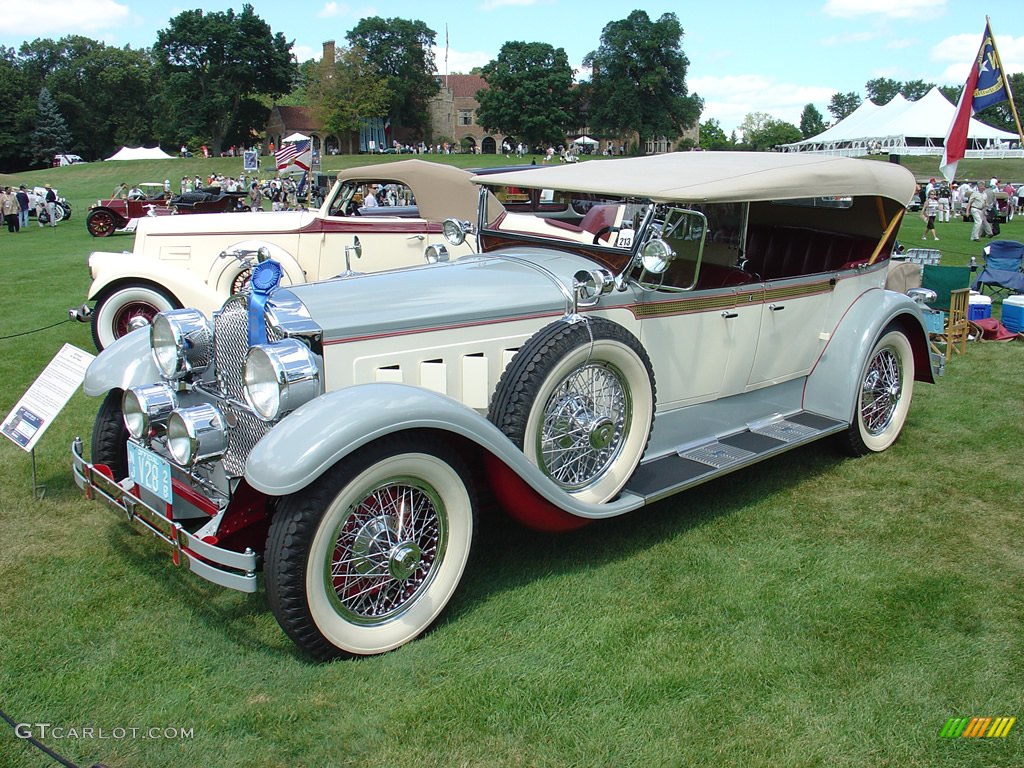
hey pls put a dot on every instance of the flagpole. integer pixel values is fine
(1006, 83)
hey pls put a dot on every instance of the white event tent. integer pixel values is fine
(140, 153)
(901, 127)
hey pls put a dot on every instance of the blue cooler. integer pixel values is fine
(979, 307)
(1013, 313)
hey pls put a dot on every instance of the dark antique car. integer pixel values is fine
(121, 215)
(680, 317)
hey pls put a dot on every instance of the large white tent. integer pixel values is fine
(900, 127)
(140, 153)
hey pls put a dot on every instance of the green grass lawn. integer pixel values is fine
(812, 611)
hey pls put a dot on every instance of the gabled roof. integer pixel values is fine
(298, 118)
(463, 86)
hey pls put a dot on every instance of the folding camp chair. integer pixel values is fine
(944, 280)
(949, 327)
(1003, 273)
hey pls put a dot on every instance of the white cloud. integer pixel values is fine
(305, 53)
(730, 99)
(892, 9)
(460, 61)
(332, 10)
(62, 17)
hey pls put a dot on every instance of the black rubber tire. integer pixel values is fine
(115, 307)
(110, 436)
(886, 384)
(310, 523)
(552, 355)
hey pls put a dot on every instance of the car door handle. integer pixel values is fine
(414, 237)
(729, 315)
(776, 307)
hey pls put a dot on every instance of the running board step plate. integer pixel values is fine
(698, 463)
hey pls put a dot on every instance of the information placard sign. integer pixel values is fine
(47, 396)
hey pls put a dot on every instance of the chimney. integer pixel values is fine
(328, 52)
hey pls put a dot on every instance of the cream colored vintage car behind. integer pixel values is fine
(179, 261)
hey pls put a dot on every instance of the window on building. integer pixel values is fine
(465, 117)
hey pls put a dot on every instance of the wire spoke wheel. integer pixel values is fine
(883, 398)
(579, 398)
(366, 558)
(386, 550)
(583, 425)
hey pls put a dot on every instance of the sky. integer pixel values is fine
(745, 56)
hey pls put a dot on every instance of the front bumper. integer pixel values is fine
(234, 570)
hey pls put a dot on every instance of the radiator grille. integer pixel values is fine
(231, 344)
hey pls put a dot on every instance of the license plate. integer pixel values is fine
(150, 471)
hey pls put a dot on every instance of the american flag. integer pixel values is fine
(295, 152)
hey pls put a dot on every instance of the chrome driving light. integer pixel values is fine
(656, 256)
(196, 434)
(147, 408)
(280, 377)
(181, 342)
(455, 231)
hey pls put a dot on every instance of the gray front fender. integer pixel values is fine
(123, 364)
(324, 431)
(833, 386)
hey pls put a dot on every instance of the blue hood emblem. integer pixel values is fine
(266, 276)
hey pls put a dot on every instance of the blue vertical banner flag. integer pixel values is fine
(986, 85)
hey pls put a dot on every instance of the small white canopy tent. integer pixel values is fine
(295, 137)
(584, 140)
(140, 153)
(898, 127)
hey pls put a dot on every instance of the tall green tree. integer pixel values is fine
(913, 90)
(215, 68)
(18, 114)
(104, 93)
(842, 105)
(344, 91)
(528, 94)
(811, 122)
(639, 79)
(402, 51)
(770, 134)
(882, 90)
(51, 135)
(712, 136)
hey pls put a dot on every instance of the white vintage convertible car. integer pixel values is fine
(199, 261)
(700, 313)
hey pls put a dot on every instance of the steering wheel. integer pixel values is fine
(599, 233)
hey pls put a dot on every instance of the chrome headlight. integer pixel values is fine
(196, 434)
(280, 377)
(181, 342)
(147, 407)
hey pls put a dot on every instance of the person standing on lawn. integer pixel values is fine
(977, 205)
(23, 205)
(9, 207)
(929, 211)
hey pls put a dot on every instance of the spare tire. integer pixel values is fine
(578, 399)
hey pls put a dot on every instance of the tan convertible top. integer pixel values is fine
(440, 190)
(701, 177)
